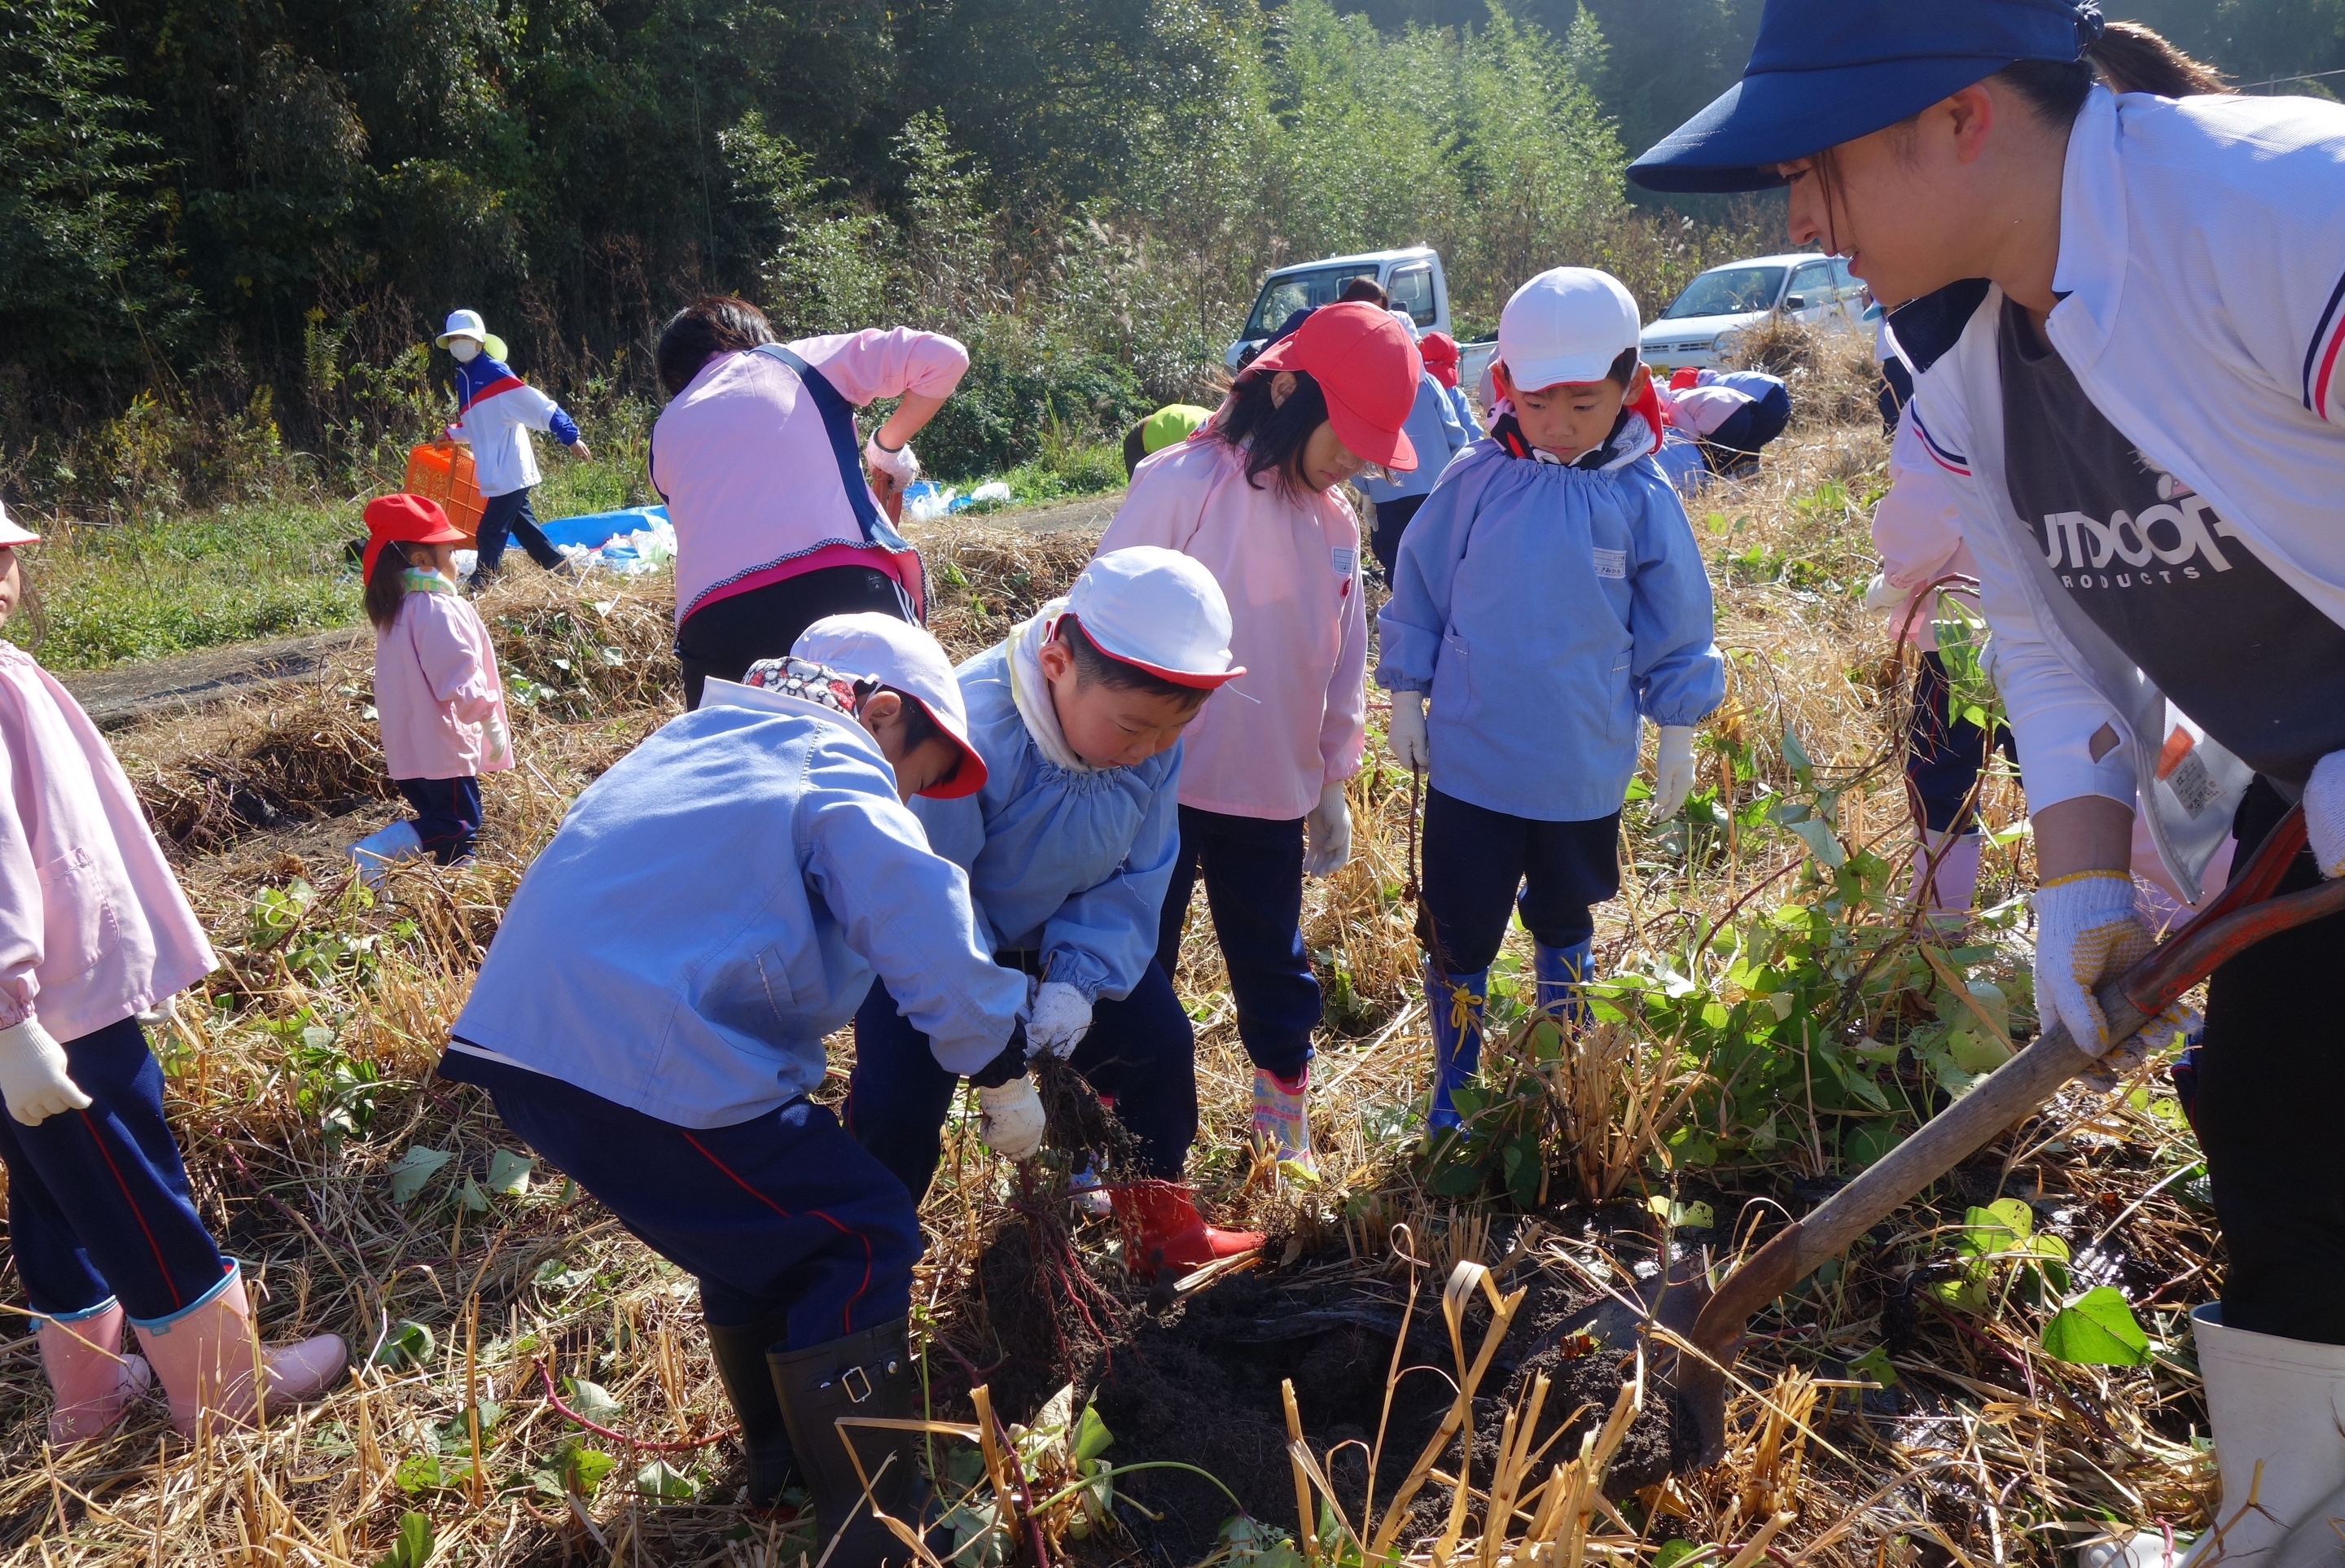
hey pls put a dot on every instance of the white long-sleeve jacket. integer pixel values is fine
(2201, 279)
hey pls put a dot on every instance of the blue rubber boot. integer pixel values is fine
(1560, 972)
(1457, 1043)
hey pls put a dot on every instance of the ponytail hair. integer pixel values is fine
(2128, 56)
(386, 586)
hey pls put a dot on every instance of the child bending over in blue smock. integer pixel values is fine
(652, 1013)
(1547, 593)
(1069, 848)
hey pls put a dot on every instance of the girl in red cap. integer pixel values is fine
(436, 688)
(1255, 495)
(93, 932)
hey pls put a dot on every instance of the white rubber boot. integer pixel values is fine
(378, 851)
(2278, 1409)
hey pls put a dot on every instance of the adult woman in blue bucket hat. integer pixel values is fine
(2123, 291)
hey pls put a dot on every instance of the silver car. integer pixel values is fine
(1699, 327)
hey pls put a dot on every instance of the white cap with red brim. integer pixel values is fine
(1156, 610)
(11, 533)
(904, 658)
(1565, 325)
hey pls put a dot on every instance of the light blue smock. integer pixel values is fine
(1072, 865)
(1463, 406)
(716, 904)
(1544, 608)
(1434, 430)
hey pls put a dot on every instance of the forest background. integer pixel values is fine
(227, 229)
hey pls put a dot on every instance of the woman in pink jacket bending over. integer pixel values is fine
(94, 931)
(783, 514)
(1255, 495)
(436, 689)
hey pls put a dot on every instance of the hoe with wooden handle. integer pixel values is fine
(2244, 915)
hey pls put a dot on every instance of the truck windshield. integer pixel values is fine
(1286, 294)
(1729, 292)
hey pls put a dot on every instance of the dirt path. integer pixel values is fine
(127, 693)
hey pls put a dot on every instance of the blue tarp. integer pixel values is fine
(593, 530)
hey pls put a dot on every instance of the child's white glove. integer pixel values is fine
(1012, 1120)
(2324, 813)
(1059, 1020)
(1405, 736)
(1882, 597)
(1673, 771)
(1329, 826)
(496, 742)
(899, 465)
(33, 1076)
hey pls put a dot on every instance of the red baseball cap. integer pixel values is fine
(1439, 350)
(1367, 369)
(409, 518)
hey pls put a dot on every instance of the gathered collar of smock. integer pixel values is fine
(1031, 690)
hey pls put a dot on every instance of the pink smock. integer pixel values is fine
(435, 688)
(92, 926)
(1289, 566)
(746, 463)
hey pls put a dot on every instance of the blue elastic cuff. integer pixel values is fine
(87, 1312)
(159, 1325)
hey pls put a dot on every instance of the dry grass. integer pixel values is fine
(331, 1009)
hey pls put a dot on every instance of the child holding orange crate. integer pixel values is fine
(496, 409)
(436, 687)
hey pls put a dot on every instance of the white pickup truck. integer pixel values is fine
(1412, 280)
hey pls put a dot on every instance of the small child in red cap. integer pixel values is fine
(436, 688)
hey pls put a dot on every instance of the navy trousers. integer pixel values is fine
(1754, 424)
(447, 814)
(511, 515)
(98, 1206)
(783, 1213)
(1141, 1052)
(1480, 865)
(1254, 886)
(1943, 760)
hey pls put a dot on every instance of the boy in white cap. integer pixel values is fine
(651, 1019)
(1548, 594)
(495, 411)
(1069, 847)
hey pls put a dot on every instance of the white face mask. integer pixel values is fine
(465, 349)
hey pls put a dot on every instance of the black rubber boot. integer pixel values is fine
(867, 1374)
(739, 1353)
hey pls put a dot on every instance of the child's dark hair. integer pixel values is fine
(1279, 430)
(1365, 292)
(712, 325)
(2128, 56)
(1623, 370)
(386, 590)
(1094, 668)
(920, 725)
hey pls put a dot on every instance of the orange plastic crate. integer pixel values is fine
(443, 471)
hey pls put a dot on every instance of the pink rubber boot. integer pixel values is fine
(94, 1382)
(1950, 892)
(207, 1355)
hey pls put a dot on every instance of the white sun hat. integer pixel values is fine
(1158, 610)
(464, 324)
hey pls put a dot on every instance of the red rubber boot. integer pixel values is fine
(1163, 1229)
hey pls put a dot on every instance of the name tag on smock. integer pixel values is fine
(1611, 563)
(1346, 562)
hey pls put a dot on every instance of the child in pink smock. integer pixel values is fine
(1254, 494)
(94, 931)
(436, 691)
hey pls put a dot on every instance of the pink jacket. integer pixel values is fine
(1918, 534)
(1297, 719)
(92, 926)
(752, 482)
(435, 689)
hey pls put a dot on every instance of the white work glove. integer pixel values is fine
(1012, 1122)
(1673, 771)
(2089, 931)
(33, 1078)
(2324, 813)
(1329, 827)
(1884, 597)
(1058, 1021)
(1405, 737)
(899, 465)
(496, 742)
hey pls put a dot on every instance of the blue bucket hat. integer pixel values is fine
(1825, 72)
